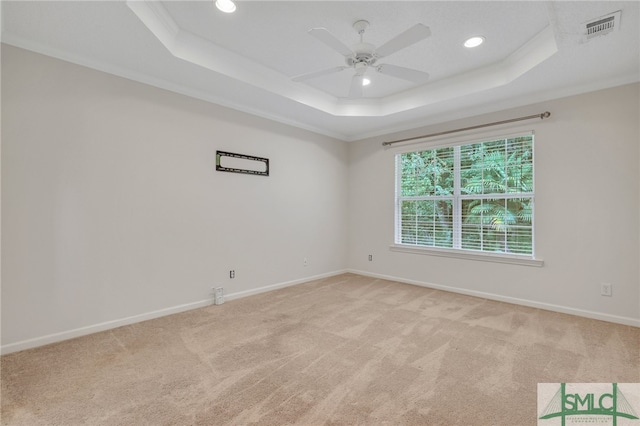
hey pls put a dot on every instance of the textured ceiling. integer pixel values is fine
(533, 51)
(283, 45)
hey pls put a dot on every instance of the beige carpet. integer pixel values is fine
(343, 350)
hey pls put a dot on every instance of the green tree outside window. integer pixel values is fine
(471, 197)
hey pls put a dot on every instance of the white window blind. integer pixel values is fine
(476, 197)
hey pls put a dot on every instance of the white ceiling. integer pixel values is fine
(534, 51)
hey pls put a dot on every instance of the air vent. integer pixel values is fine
(601, 26)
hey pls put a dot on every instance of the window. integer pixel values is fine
(476, 197)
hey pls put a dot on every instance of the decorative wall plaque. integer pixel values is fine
(240, 163)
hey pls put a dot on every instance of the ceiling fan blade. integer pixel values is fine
(330, 40)
(315, 74)
(356, 86)
(403, 73)
(412, 35)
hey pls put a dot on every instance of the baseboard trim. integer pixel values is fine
(523, 302)
(109, 325)
(252, 292)
(95, 328)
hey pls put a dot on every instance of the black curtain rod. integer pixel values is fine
(542, 116)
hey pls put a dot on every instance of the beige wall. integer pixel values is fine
(112, 211)
(586, 205)
(112, 208)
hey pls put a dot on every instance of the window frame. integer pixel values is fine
(457, 199)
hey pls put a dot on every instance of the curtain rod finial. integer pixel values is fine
(545, 114)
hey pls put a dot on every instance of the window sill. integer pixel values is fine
(469, 255)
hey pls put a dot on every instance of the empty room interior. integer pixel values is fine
(319, 212)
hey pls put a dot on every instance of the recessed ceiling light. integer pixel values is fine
(366, 81)
(474, 42)
(227, 6)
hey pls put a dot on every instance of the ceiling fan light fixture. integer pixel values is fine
(363, 56)
(226, 6)
(474, 42)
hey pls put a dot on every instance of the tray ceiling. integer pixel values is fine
(246, 60)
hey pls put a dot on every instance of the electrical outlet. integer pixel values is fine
(370, 257)
(305, 262)
(232, 273)
(606, 289)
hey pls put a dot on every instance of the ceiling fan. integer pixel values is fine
(365, 55)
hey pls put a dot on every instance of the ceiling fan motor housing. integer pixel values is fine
(363, 53)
